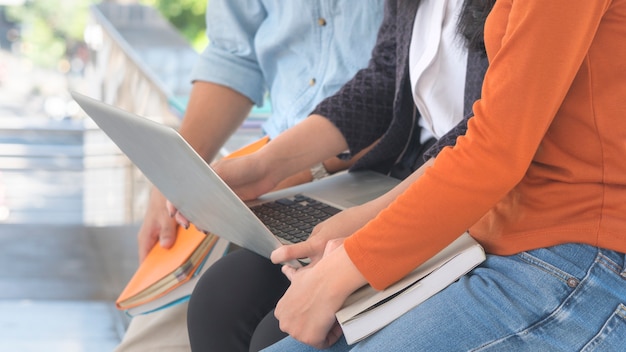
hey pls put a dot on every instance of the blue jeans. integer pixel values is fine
(569, 297)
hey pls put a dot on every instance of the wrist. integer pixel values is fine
(270, 164)
(344, 276)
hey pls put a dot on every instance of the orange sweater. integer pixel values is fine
(544, 159)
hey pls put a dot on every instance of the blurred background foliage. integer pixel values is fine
(187, 16)
(50, 30)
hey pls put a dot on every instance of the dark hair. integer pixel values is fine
(472, 22)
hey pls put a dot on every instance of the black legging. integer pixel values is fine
(230, 301)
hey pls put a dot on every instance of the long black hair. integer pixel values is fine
(472, 22)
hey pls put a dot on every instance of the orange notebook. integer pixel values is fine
(249, 149)
(164, 270)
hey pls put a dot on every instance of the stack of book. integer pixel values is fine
(168, 276)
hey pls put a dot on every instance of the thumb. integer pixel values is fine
(290, 252)
(167, 233)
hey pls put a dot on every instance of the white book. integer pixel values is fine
(182, 292)
(368, 310)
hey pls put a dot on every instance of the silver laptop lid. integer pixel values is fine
(183, 177)
(189, 183)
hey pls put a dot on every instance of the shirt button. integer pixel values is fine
(312, 82)
(321, 21)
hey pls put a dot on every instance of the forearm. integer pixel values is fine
(213, 114)
(310, 142)
(383, 201)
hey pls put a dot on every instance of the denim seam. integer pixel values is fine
(594, 343)
(532, 260)
(548, 268)
(609, 263)
(621, 311)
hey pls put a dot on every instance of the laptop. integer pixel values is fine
(191, 185)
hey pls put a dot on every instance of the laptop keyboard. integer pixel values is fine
(293, 218)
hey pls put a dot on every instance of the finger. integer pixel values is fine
(289, 271)
(333, 335)
(171, 209)
(145, 241)
(181, 220)
(167, 235)
(291, 252)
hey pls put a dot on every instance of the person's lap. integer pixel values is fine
(542, 300)
(231, 299)
(163, 331)
(266, 333)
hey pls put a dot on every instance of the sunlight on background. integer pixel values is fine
(47, 48)
(67, 222)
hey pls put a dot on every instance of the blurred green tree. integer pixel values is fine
(187, 16)
(49, 29)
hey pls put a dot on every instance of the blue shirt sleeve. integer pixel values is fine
(230, 58)
(293, 53)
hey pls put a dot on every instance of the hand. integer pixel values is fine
(244, 175)
(176, 216)
(307, 310)
(339, 226)
(247, 176)
(157, 226)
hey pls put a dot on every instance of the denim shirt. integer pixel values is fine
(297, 52)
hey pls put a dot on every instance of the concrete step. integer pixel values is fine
(59, 284)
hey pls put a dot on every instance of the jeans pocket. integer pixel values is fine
(611, 336)
(567, 278)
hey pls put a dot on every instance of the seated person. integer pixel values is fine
(538, 179)
(240, 290)
(259, 54)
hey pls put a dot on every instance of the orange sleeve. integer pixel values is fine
(535, 49)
